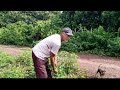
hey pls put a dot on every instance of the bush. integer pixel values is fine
(24, 59)
(68, 66)
(17, 67)
(23, 34)
(97, 42)
(113, 47)
(69, 47)
(45, 28)
(19, 33)
(13, 72)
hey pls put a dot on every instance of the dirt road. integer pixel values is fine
(12, 50)
(91, 62)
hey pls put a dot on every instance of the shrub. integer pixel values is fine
(13, 72)
(19, 33)
(16, 67)
(113, 47)
(68, 66)
(97, 42)
(45, 28)
(5, 59)
(25, 59)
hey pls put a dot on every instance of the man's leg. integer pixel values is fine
(48, 70)
(39, 66)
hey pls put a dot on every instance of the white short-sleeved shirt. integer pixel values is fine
(43, 48)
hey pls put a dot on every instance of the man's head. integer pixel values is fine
(66, 34)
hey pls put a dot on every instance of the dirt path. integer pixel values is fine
(109, 64)
(12, 50)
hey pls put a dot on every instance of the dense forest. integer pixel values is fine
(94, 31)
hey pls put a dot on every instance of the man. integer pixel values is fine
(48, 48)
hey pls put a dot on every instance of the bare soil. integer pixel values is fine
(13, 50)
(91, 62)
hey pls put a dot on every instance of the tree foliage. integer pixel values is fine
(28, 27)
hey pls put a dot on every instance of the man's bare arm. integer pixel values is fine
(53, 61)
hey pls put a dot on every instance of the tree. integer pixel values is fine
(88, 19)
(111, 20)
(91, 19)
(68, 19)
(30, 17)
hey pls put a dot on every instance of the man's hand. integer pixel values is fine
(55, 71)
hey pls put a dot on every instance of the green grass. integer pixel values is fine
(68, 66)
(5, 59)
(22, 66)
(16, 67)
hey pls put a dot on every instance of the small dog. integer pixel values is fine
(100, 71)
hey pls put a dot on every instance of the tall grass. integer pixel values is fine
(22, 66)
